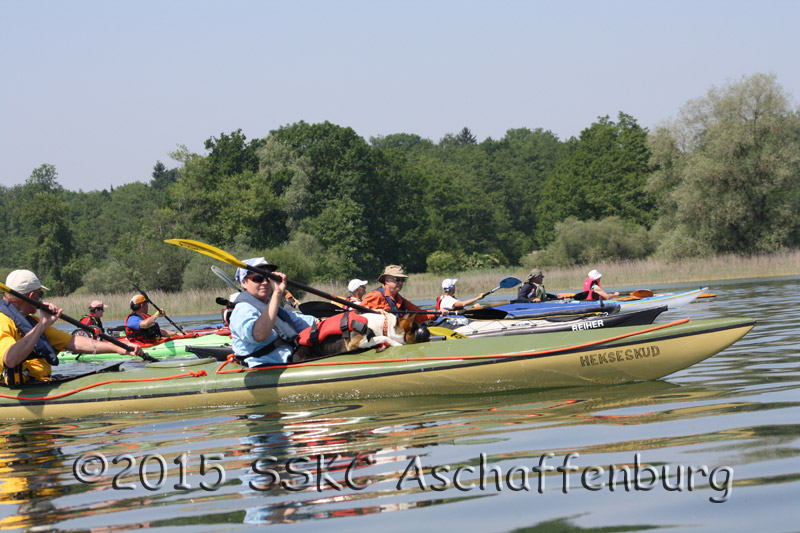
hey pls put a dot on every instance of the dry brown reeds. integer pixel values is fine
(649, 272)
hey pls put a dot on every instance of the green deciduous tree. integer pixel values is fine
(728, 171)
(601, 174)
(584, 242)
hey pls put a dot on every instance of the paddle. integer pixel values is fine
(157, 308)
(225, 277)
(635, 295)
(76, 323)
(320, 309)
(224, 303)
(326, 309)
(506, 283)
(225, 257)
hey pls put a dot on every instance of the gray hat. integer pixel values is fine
(535, 273)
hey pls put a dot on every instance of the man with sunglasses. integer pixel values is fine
(263, 332)
(387, 297)
(29, 345)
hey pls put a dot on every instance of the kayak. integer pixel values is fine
(672, 300)
(494, 328)
(554, 308)
(165, 347)
(452, 366)
(568, 307)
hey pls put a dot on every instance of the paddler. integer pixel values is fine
(592, 286)
(448, 300)
(94, 319)
(387, 297)
(263, 332)
(357, 288)
(139, 325)
(29, 345)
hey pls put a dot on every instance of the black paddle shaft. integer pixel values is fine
(312, 290)
(157, 308)
(78, 324)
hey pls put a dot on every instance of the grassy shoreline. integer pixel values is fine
(647, 273)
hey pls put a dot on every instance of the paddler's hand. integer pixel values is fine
(279, 286)
(160, 313)
(132, 350)
(49, 315)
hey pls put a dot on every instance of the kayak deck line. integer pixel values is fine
(199, 373)
(450, 358)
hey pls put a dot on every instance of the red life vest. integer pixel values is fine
(439, 302)
(96, 323)
(334, 326)
(587, 286)
(150, 333)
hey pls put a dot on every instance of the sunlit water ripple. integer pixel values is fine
(736, 414)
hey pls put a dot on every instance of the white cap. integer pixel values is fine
(594, 274)
(356, 283)
(448, 284)
(241, 273)
(24, 281)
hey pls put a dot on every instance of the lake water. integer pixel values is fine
(713, 447)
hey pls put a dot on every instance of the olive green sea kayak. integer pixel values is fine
(452, 366)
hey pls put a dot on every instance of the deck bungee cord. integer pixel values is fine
(199, 373)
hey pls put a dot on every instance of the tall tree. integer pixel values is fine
(601, 174)
(51, 248)
(728, 171)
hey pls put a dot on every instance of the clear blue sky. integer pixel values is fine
(104, 89)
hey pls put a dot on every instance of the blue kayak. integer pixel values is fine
(557, 308)
(578, 307)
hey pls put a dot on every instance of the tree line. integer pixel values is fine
(326, 204)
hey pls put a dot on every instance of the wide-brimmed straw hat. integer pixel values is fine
(392, 270)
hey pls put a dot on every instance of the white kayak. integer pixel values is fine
(672, 300)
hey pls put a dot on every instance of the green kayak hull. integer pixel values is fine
(453, 366)
(167, 349)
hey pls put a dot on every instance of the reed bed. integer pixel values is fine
(646, 274)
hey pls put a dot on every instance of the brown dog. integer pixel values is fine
(381, 329)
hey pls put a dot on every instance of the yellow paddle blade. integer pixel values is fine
(4, 288)
(445, 332)
(207, 249)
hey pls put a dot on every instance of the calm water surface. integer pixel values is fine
(730, 424)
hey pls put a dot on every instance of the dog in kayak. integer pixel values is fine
(350, 331)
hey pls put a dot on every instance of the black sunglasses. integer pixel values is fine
(257, 278)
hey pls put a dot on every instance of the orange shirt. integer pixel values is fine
(376, 300)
